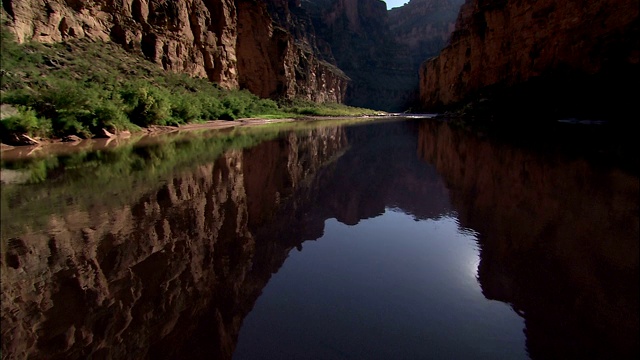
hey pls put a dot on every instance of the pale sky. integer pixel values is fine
(395, 3)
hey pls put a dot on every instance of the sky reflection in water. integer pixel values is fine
(388, 287)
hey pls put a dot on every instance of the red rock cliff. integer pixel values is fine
(273, 62)
(548, 55)
(206, 38)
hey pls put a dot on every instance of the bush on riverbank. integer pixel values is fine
(80, 87)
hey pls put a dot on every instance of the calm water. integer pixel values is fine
(404, 239)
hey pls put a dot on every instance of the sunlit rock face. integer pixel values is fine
(196, 37)
(172, 274)
(539, 57)
(532, 213)
(233, 43)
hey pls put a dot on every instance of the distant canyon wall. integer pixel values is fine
(231, 42)
(424, 26)
(358, 34)
(531, 54)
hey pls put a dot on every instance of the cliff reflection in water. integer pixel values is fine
(173, 273)
(558, 240)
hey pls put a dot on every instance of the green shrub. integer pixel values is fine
(234, 107)
(186, 108)
(263, 106)
(147, 104)
(227, 115)
(112, 117)
(211, 107)
(70, 124)
(26, 121)
(83, 86)
(24, 97)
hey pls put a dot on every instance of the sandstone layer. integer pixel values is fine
(532, 57)
(197, 37)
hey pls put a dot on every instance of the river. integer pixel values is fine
(386, 239)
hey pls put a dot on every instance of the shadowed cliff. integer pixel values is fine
(538, 59)
(364, 48)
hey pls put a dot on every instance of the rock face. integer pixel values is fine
(197, 37)
(568, 58)
(424, 26)
(361, 42)
(274, 60)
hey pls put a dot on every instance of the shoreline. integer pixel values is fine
(147, 136)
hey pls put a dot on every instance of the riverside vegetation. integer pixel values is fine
(80, 87)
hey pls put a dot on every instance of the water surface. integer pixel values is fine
(406, 239)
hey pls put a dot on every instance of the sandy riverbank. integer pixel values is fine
(147, 136)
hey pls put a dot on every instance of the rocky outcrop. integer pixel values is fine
(205, 38)
(531, 211)
(539, 57)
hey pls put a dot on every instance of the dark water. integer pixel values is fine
(405, 239)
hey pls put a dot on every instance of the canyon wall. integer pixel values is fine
(281, 58)
(536, 57)
(197, 37)
(361, 42)
(424, 26)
